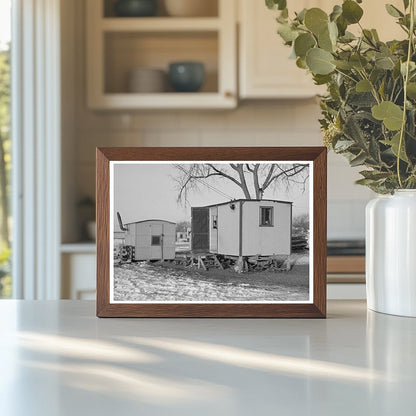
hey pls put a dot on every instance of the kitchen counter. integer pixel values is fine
(57, 358)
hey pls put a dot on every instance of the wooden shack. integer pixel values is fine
(151, 239)
(243, 227)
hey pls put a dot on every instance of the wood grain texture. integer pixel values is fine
(212, 310)
(346, 264)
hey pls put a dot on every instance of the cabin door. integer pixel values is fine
(200, 229)
(156, 241)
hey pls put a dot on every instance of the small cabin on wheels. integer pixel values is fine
(244, 227)
(150, 239)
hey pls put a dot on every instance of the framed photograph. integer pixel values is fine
(211, 232)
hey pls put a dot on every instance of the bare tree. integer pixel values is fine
(252, 179)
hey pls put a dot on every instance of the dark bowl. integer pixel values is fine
(187, 76)
(135, 8)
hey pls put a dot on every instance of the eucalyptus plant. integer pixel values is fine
(369, 111)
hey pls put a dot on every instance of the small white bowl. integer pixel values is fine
(147, 80)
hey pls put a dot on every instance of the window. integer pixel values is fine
(5, 147)
(156, 240)
(215, 222)
(266, 216)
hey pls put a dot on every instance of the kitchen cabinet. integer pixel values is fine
(118, 45)
(78, 263)
(265, 69)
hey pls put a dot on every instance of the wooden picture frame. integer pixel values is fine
(314, 157)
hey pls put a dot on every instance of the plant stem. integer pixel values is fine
(406, 80)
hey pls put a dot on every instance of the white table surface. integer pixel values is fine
(57, 358)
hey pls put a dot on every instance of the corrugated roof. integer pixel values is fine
(137, 222)
(245, 200)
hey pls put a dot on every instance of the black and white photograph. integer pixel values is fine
(217, 232)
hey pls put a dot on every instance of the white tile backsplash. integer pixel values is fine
(258, 123)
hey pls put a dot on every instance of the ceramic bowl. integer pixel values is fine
(135, 8)
(186, 76)
(147, 80)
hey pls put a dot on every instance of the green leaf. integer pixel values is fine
(358, 61)
(358, 160)
(301, 63)
(316, 20)
(301, 15)
(336, 12)
(344, 65)
(363, 86)
(325, 42)
(351, 11)
(347, 37)
(384, 62)
(303, 43)
(388, 112)
(319, 61)
(321, 79)
(394, 144)
(276, 4)
(411, 90)
(393, 11)
(287, 33)
(375, 35)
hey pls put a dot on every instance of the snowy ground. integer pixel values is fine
(146, 282)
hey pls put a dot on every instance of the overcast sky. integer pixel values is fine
(149, 191)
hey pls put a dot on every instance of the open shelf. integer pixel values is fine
(119, 45)
(126, 51)
(211, 9)
(160, 24)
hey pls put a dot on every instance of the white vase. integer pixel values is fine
(391, 253)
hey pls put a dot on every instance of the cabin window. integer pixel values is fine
(266, 216)
(156, 240)
(215, 222)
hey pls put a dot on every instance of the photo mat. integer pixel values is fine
(211, 232)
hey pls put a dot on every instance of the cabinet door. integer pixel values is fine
(265, 68)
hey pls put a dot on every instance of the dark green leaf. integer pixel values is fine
(316, 20)
(303, 43)
(321, 79)
(358, 160)
(351, 11)
(411, 90)
(385, 62)
(344, 65)
(358, 61)
(301, 63)
(325, 42)
(363, 86)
